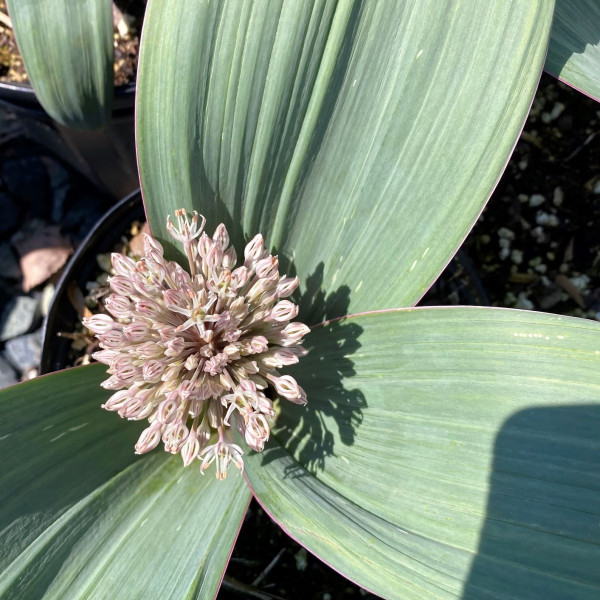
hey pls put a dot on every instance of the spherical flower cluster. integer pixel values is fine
(194, 353)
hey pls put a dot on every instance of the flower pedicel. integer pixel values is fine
(195, 352)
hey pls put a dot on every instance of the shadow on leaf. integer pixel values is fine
(541, 538)
(333, 412)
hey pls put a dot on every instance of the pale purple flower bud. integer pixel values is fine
(167, 409)
(149, 439)
(153, 247)
(135, 409)
(254, 251)
(205, 245)
(191, 362)
(99, 324)
(172, 372)
(105, 356)
(239, 278)
(282, 357)
(149, 350)
(148, 309)
(216, 363)
(229, 257)
(152, 370)
(214, 257)
(287, 286)
(174, 436)
(282, 311)
(293, 333)
(257, 431)
(176, 299)
(118, 306)
(113, 383)
(121, 285)
(136, 331)
(288, 387)
(116, 401)
(124, 369)
(175, 346)
(221, 237)
(267, 267)
(122, 264)
(191, 448)
(112, 339)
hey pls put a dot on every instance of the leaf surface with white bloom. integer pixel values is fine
(348, 133)
(445, 453)
(83, 517)
(67, 49)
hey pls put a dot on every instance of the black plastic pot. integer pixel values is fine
(81, 268)
(105, 156)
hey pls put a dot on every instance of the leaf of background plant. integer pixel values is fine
(82, 517)
(574, 51)
(445, 453)
(366, 136)
(67, 49)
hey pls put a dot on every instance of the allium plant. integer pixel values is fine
(194, 352)
(443, 452)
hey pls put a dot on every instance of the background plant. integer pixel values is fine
(456, 450)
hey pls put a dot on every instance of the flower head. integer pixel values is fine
(195, 352)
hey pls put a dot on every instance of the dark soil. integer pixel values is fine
(537, 244)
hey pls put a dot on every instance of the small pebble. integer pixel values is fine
(523, 163)
(506, 233)
(541, 269)
(301, 559)
(517, 256)
(536, 200)
(504, 243)
(597, 187)
(17, 317)
(581, 282)
(523, 302)
(557, 109)
(523, 198)
(544, 218)
(24, 352)
(503, 254)
(538, 234)
(558, 196)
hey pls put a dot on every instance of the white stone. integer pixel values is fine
(536, 200)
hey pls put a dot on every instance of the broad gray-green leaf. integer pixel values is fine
(445, 453)
(67, 49)
(363, 136)
(82, 517)
(574, 51)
